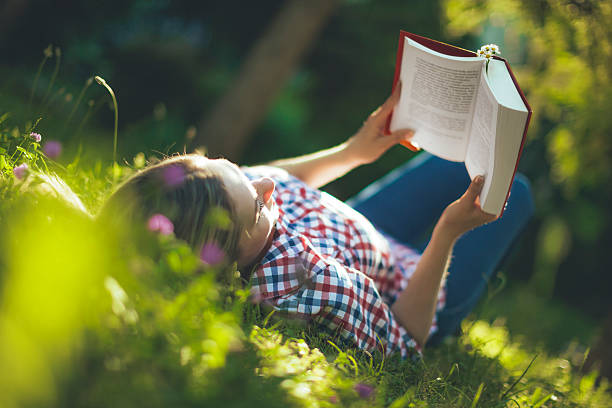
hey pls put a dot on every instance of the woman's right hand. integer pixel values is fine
(370, 141)
(465, 213)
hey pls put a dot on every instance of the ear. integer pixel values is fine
(265, 187)
(267, 195)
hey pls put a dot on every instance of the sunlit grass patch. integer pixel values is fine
(535, 378)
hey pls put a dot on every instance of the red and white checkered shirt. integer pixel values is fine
(328, 264)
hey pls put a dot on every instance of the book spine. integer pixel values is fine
(398, 69)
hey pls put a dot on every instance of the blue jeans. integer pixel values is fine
(407, 202)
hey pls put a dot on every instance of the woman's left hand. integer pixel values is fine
(465, 213)
(370, 142)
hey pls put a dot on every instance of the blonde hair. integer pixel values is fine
(189, 193)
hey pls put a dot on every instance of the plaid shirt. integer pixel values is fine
(328, 264)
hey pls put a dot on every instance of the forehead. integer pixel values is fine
(230, 173)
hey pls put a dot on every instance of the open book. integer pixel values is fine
(461, 112)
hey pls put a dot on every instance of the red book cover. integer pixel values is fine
(448, 49)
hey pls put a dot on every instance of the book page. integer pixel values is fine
(437, 99)
(510, 120)
(503, 87)
(479, 159)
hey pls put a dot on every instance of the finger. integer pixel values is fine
(475, 188)
(491, 217)
(392, 100)
(402, 134)
(487, 218)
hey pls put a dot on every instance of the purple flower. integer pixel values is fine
(52, 149)
(211, 254)
(161, 223)
(364, 390)
(173, 175)
(36, 136)
(20, 171)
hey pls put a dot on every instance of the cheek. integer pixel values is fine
(243, 242)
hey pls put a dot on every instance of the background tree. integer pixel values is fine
(267, 67)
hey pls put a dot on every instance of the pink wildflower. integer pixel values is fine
(211, 254)
(364, 390)
(36, 136)
(161, 223)
(20, 171)
(52, 149)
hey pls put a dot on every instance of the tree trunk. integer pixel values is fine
(269, 64)
(600, 356)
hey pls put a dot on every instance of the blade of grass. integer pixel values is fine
(88, 82)
(58, 60)
(477, 396)
(102, 82)
(48, 53)
(519, 379)
(542, 401)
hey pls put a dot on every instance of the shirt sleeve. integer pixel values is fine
(345, 301)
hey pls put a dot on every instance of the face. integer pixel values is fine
(254, 207)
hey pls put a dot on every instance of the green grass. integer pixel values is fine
(91, 316)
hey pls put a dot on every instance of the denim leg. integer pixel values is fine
(408, 201)
(476, 256)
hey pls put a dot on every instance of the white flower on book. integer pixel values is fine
(487, 52)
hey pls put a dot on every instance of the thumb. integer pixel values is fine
(392, 100)
(475, 188)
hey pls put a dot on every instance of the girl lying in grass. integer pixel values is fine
(365, 269)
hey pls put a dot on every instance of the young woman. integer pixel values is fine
(366, 269)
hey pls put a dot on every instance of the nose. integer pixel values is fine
(264, 188)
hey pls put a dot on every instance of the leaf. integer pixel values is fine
(174, 261)
(542, 401)
(536, 394)
(520, 378)
(477, 396)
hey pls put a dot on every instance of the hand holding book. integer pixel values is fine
(370, 141)
(465, 213)
(462, 111)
